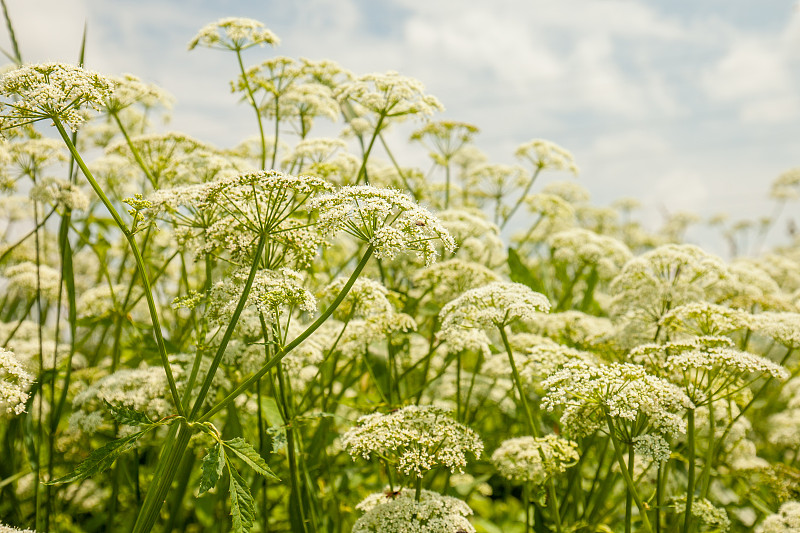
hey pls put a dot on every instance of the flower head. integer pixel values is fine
(55, 91)
(387, 219)
(416, 438)
(545, 154)
(535, 459)
(234, 33)
(14, 383)
(399, 512)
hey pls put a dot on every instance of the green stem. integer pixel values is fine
(627, 476)
(363, 169)
(628, 494)
(129, 236)
(518, 382)
(252, 101)
(521, 197)
(226, 337)
(687, 516)
(134, 151)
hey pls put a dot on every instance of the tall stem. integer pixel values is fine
(687, 516)
(140, 266)
(252, 101)
(518, 382)
(626, 475)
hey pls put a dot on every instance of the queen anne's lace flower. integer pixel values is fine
(234, 33)
(623, 391)
(787, 185)
(416, 438)
(60, 193)
(399, 512)
(703, 318)
(786, 520)
(494, 305)
(581, 247)
(51, 91)
(545, 154)
(27, 279)
(387, 219)
(14, 383)
(449, 279)
(783, 327)
(388, 95)
(129, 89)
(535, 459)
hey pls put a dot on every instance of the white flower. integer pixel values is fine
(14, 383)
(786, 520)
(399, 512)
(234, 33)
(535, 459)
(416, 438)
(387, 219)
(545, 154)
(51, 91)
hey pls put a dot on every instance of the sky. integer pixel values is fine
(684, 105)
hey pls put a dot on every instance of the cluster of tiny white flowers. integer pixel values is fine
(669, 276)
(478, 239)
(546, 154)
(272, 292)
(14, 383)
(31, 156)
(579, 247)
(573, 327)
(387, 219)
(448, 279)
(417, 438)
(573, 193)
(97, 302)
(51, 90)
(129, 90)
(786, 520)
(366, 298)
(787, 185)
(23, 277)
(704, 318)
(707, 513)
(782, 327)
(652, 445)
(493, 305)
(535, 459)
(622, 391)
(399, 512)
(61, 193)
(234, 33)
(389, 95)
(9, 529)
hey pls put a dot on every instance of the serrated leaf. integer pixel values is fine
(212, 466)
(249, 455)
(127, 416)
(242, 505)
(101, 458)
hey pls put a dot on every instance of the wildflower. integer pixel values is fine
(387, 219)
(545, 154)
(30, 280)
(446, 137)
(706, 513)
(59, 193)
(786, 186)
(582, 248)
(448, 279)
(622, 391)
(416, 438)
(573, 328)
(782, 327)
(703, 318)
(399, 512)
(55, 91)
(478, 239)
(325, 71)
(233, 33)
(652, 445)
(14, 383)
(366, 298)
(128, 90)
(272, 293)
(786, 520)
(535, 460)
(494, 305)
(388, 95)
(570, 191)
(31, 156)
(9, 529)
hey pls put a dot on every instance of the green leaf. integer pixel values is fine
(249, 455)
(127, 416)
(212, 466)
(102, 458)
(520, 273)
(242, 505)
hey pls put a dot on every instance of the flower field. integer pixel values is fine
(299, 333)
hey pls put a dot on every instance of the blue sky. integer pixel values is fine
(685, 105)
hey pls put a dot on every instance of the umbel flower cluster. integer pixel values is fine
(311, 328)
